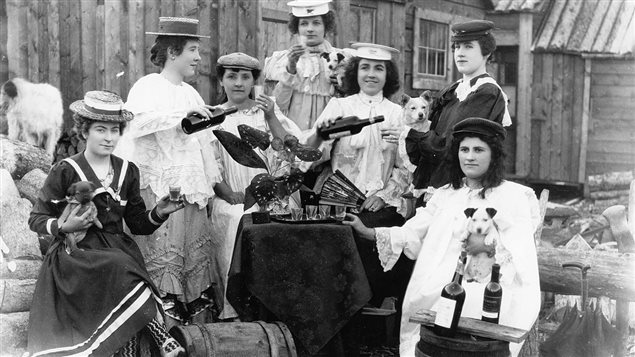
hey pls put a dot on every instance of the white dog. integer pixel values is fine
(416, 111)
(336, 62)
(482, 236)
(34, 112)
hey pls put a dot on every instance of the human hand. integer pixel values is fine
(391, 135)
(333, 79)
(373, 204)
(474, 246)
(359, 227)
(76, 223)
(267, 105)
(204, 111)
(165, 206)
(235, 198)
(328, 122)
(293, 56)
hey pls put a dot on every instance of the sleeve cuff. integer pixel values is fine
(155, 219)
(287, 78)
(51, 227)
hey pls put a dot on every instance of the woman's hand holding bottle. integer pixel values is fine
(204, 111)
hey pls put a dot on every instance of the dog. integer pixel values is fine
(34, 112)
(80, 193)
(416, 111)
(336, 62)
(482, 235)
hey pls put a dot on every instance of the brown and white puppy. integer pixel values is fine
(482, 236)
(34, 112)
(80, 193)
(416, 111)
(336, 62)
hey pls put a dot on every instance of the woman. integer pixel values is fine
(304, 87)
(434, 236)
(238, 73)
(179, 255)
(475, 95)
(93, 300)
(368, 159)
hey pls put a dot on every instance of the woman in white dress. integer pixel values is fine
(238, 73)
(434, 236)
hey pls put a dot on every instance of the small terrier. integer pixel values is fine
(80, 193)
(336, 62)
(482, 235)
(416, 111)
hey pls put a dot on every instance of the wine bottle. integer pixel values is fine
(346, 126)
(492, 297)
(450, 304)
(195, 122)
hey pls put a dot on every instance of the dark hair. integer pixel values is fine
(349, 81)
(487, 44)
(495, 172)
(159, 51)
(328, 19)
(83, 124)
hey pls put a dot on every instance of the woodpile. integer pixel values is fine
(609, 189)
(68, 145)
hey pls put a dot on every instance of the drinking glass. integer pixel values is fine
(297, 213)
(311, 211)
(340, 212)
(175, 193)
(325, 211)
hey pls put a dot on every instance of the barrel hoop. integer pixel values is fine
(209, 346)
(273, 344)
(288, 338)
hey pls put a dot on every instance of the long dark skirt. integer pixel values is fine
(92, 301)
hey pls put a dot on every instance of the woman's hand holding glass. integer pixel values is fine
(373, 204)
(267, 105)
(76, 223)
(359, 227)
(391, 135)
(293, 56)
(165, 206)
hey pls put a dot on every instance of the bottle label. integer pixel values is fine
(490, 315)
(445, 312)
(340, 134)
(491, 304)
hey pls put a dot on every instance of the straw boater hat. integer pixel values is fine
(239, 60)
(177, 26)
(479, 126)
(373, 51)
(471, 30)
(101, 106)
(308, 8)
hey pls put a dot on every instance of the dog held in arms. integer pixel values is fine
(80, 194)
(336, 62)
(482, 237)
(34, 112)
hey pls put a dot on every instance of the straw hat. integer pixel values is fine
(177, 26)
(308, 8)
(101, 106)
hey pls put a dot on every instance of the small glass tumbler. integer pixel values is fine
(175, 193)
(297, 213)
(311, 211)
(325, 211)
(340, 212)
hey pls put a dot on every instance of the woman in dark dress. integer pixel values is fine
(96, 299)
(475, 95)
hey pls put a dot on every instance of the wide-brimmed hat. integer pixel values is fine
(239, 60)
(178, 26)
(471, 30)
(101, 106)
(308, 8)
(374, 51)
(479, 126)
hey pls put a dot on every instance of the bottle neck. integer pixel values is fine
(495, 275)
(458, 273)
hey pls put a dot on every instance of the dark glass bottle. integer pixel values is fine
(195, 122)
(347, 126)
(450, 305)
(492, 297)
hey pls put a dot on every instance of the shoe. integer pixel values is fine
(171, 348)
(178, 312)
(197, 306)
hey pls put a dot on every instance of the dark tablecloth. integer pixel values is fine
(309, 276)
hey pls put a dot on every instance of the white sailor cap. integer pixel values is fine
(374, 51)
(308, 8)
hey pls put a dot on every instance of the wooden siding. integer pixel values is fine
(611, 136)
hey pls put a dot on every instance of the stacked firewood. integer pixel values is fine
(68, 145)
(609, 189)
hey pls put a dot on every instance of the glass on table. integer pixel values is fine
(311, 211)
(297, 213)
(325, 211)
(340, 212)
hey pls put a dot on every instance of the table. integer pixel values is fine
(310, 276)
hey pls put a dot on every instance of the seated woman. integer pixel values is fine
(93, 300)
(238, 73)
(369, 159)
(434, 236)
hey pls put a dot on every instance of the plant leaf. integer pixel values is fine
(250, 200)
(291, 141)
(263, 188)
(307, 153)
(239, 150)
(277, 144)
(254, 137)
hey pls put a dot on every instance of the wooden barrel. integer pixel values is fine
(239, 339)
(461, 345)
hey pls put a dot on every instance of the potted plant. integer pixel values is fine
(271, 190)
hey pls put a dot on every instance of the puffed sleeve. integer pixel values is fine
(47, 208)
(275, 69)
(138, 219)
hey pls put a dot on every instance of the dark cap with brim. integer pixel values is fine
(479, 126)
(471, 30)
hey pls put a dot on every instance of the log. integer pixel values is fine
(25, 269)
(612, 274)
(610, 181)
(19, 158)
(604, 195)
(16, 295)
(13, 330)
(29, 186)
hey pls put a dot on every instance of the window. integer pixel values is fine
(432, 48)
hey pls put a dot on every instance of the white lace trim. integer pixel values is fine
(387, 257)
